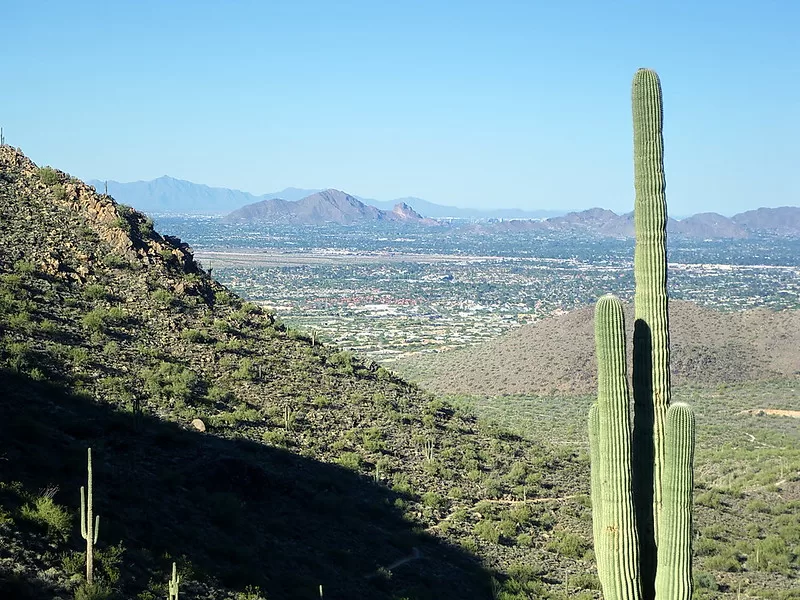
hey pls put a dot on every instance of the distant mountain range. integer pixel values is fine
(327, 206)
(310, 206)
(783, 221)
(169, 195)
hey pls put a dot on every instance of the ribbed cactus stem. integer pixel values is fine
(89, 530)
(674, 576)
(651, 378)
(618, 537)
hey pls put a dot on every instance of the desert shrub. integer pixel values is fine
(115, 261)
(196, 336)
(585, 581)
(95, 591)
(342, 362)
(772, 555)
(350, 460)
(95, 291)
(245, 371)
(24, 267)
(705, 581)
(170, 381)
(46, 513)
(487, 530)
(433, 500)
(20, 320)
(276, 437)
(567, 544)
(725, 560)
(163, 297)
(525, 540)
(48, 175)
(101, 319)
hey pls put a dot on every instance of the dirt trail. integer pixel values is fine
(771, 411)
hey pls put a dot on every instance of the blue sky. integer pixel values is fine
(494, 104)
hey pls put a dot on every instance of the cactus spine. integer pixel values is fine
(89, 531)
(642, 480)
(173, 583)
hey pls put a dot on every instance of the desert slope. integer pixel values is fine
(557, 353)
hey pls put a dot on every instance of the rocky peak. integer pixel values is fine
(119, 229)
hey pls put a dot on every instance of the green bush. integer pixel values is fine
(488, 531)
(95, 591)
(46, 513)
(350, 460)
(48, 175)
(196, 336)
(567, 544)
(95, 291)
(24, 267)
(163, 297)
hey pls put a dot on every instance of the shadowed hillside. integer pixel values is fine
(314, 468)
(557, 353)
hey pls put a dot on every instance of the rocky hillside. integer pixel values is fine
(328, 206)
(557, 354)
(263, 463)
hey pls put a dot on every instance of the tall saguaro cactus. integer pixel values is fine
(651, 381)
(172, 587)
(88, 530)
(642, 480)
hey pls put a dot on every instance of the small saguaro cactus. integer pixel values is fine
(173, 583)
(642, 479)
(89, 530)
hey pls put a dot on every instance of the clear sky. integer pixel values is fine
(477, 104)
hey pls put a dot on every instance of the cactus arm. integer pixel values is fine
(674, 576)
(597, 494)
(619, 539)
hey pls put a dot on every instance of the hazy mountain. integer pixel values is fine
(439, 211)
(707, 225)
(170, 195)
(784, 221)
(599, 221)
(328, 206)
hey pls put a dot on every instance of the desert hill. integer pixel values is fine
(241, 449)
(557, 353)
(328, 206)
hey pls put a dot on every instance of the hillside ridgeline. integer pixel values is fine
(557, 354)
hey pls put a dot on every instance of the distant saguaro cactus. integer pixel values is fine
(642, 479)
(89, 530)
(173, 583)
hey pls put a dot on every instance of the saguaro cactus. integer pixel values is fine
(642, 480)
(88, 530)
(173, 583)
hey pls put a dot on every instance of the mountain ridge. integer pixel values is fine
(327, 206)
(167, 194)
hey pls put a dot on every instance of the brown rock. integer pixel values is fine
(199, 425)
